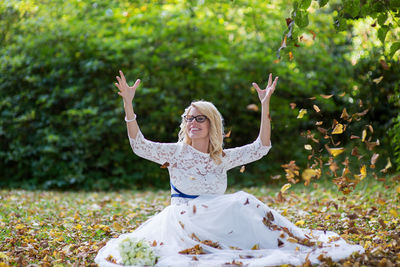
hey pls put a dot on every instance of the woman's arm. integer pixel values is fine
(128, 93)
(265, 96)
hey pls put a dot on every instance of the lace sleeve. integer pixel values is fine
(154, 151)
(245, 154)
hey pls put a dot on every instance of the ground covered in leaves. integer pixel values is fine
(68, 228)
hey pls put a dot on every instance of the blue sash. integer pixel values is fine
(180, 193)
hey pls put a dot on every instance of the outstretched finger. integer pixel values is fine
(269, 80)
(274, 84)
(119, 80)
(117, 85)
(136, 84)
(122, 76)
(256, 86)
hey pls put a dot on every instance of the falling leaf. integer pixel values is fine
(374, 159)
(316, 108)
(344, 114)
(308, 147)
(354, 137)
(228, 134)
(292, 105)
(285, 187)
(326, 96)
(276, 177)
(242, 169)
(342, 94)
(312, 98)
(339, 128)
(154, 244)
(377, 80)
(371, 129)
(292, 240)
(319, 123)
(364, 135)
(363, 173)
(291, 55)
(252, 107)
(165, 165)
(307, 174)
(398, 189)
(255, 247)
(336, 151)
(301, 223)
(388, 165)
(301, 113)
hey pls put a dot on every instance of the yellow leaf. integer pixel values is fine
(284, 213)
(336, 151)
(301, 113)
(78, 226)
(3, 256)
(319, 123)
(117, 226)
(363, 173)
(338, 129)
(255, 247)
(308, 147)
(309, 173)
(19, 226)
(301, 222)
(364, 134)
(394, 213)
(285, 187)
(292, 240)
(398, 189)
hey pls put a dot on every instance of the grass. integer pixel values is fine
(68, 228)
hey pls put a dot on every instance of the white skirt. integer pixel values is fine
(230, 228)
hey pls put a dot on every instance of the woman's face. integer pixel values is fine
(197, 130)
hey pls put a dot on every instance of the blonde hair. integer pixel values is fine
(216, 131)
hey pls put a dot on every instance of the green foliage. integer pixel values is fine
(62, 121)
(386, 14)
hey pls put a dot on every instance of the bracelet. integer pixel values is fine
(134, 118)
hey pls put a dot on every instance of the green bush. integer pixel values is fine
(62, 121)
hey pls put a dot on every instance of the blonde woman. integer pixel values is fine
(226, 228)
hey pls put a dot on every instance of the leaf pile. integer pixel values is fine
(59, 229)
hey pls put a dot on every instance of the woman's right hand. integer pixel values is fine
(127, 92)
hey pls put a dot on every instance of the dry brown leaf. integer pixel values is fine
(252, 107)
(326, 96)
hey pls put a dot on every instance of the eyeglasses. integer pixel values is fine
(198, 118)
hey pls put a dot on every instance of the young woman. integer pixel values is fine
(227, 228)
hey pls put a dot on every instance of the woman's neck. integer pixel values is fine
(201, 144)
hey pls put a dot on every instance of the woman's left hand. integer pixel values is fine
(265, 94)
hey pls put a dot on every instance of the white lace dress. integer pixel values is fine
(229, 228)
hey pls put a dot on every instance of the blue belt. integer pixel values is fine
(180, 193)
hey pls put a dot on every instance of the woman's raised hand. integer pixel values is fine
(127, 92)
(265, 95)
